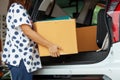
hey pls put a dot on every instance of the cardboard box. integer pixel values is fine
(86, 39)
(60, 32)
(65, 34)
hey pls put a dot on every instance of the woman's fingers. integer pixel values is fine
(55, 54)
(55, 51)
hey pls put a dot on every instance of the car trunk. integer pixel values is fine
(90, 34)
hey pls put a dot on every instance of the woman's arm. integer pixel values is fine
(53, 49)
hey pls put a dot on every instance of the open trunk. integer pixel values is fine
(92, 26)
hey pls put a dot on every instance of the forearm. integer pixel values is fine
(53, 49)
(35, 36)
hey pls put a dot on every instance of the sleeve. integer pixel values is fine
(20, 16)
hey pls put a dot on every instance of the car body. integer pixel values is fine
(99, 62)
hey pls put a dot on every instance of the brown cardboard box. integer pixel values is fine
(65, 34)
(60, 32)
(86, 38)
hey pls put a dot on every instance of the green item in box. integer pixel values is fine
(95, 14)
(60, 18)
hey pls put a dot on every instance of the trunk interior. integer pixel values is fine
(91, 27)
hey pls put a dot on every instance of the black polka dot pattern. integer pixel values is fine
(17, 45)
(17, 11)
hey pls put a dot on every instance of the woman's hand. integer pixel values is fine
(54, 50)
